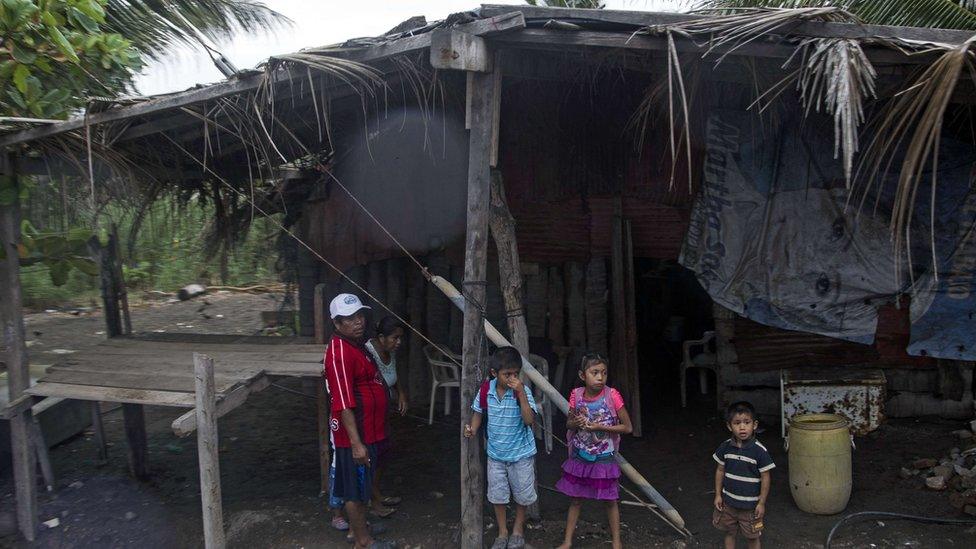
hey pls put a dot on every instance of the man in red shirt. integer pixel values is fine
(359, 405)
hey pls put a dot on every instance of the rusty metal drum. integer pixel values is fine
(819, 448)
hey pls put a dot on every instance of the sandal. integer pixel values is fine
(382, 512)
(500, 543)
(391, 500)
(375, 529)
(516, 541)
(340, 523)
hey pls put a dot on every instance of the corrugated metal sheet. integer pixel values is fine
(763, 348)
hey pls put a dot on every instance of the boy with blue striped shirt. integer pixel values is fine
(741, 478)
(511, 447)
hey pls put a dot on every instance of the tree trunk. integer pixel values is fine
(510, 277)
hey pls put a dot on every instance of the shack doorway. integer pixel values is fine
(671, 307)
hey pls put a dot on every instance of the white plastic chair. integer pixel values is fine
(443, 373)
(543, 402)
(704, 360)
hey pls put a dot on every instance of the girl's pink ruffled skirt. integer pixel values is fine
(582, 479)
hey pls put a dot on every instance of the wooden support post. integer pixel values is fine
(557, 307)
(319, 313)
(110, 304)
(596, 305)
(121, 294)
(13, 352)
(207, 451)
(135, 433)
(417, 367)
(479, 93)
(619, 370)
(510, 276)
(99, 428)
(322, 398)
(323, 409)
(43, 457)
(633, 362)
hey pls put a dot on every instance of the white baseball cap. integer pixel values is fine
(345, 305)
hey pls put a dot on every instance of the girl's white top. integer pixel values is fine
(387, 369)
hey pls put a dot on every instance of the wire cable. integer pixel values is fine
(309, 248)
(886, 514)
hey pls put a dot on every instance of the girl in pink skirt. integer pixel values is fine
(597, 418)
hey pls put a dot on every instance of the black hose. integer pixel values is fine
(933, 520)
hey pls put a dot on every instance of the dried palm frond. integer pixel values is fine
(676, 97)
(727, 32)
(836, 75)
(943, 14)
(841, 93)
(914, 119)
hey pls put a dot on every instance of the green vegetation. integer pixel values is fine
(170, 251)
(56, 53)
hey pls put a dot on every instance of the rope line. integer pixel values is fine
(310, 249)
(319, 166)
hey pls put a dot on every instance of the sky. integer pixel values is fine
(319, 23)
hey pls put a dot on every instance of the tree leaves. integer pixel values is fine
(62, 43)
(20, 78)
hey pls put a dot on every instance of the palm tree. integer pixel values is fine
(154, 26)
(947, 14)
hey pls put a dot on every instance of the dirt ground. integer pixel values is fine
(270, 478)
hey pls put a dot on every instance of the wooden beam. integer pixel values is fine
(112, 394)
(208, 452)
(323, 409)
(13, 353)
(106, 271)
(479, 93)
(187, 423)
(101, 443)
(43, 457)
(460, 51)
(118, 279)
(17, 407)
(318, 312)
(249, 83)
(619, 365)
(134, 421)
(630, 352)
(812, 29)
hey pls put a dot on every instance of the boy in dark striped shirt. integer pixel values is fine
(741, 478)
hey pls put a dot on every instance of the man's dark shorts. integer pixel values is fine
(353, 482)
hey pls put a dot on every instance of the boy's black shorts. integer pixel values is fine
(353, 482)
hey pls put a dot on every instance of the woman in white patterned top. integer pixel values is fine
(382, 348)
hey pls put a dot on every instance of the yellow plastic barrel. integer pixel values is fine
(819, 448)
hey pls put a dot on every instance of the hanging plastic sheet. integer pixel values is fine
(772, 237)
